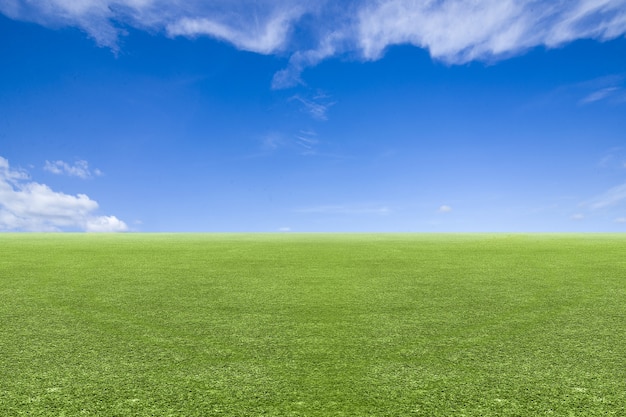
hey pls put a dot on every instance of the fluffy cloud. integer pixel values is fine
(105, 224)
(80, 169)
(444, 209)
(454, 31)
(27, 205)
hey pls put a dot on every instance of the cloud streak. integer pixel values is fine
(611, 197)
(609, 88)
(317, 107)
(453, 31)
(31, 206)
(599, 95)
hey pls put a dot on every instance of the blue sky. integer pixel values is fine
(297, 116)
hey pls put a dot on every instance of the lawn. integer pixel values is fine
(312, 325)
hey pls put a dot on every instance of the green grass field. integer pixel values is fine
(312, 325)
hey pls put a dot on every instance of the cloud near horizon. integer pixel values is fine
(31, 206)
(453, 31)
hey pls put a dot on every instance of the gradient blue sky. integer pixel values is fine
(329, 116)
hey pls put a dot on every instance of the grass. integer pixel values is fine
(312, 325)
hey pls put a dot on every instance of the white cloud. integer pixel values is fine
(620, 220)
(308, 141)
(80, 169)
(272, 141)
(304, 142)
(93, 16)
(462, 30)
(7, 174)
(577, 216)
(290, 76)
(30, 206)
(599, 95)
(611, 197)
(614, 159)
(284, 229)
(609, 88)
(444, 209)
(316, 106)
(260, 26)
(454, 31)
(267, 38)
(105, 224)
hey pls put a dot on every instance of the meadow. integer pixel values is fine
(312, 325)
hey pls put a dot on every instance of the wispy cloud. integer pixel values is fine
(348, 209)
(453, 31)
(265, 38)
(261, 27)
(599, 95)
(620, 220)
(316, 106)
(307, 140)
(328, 46)
(577, 216)
(444, 209)
(462, 31)
(80, 169)
(614, 158)
(272, 141)
(303, 142)
(609, 198)
(31, 206)
(609, 88)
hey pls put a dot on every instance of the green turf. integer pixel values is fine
(312, 325)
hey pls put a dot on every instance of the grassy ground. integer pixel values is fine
(312, 325)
